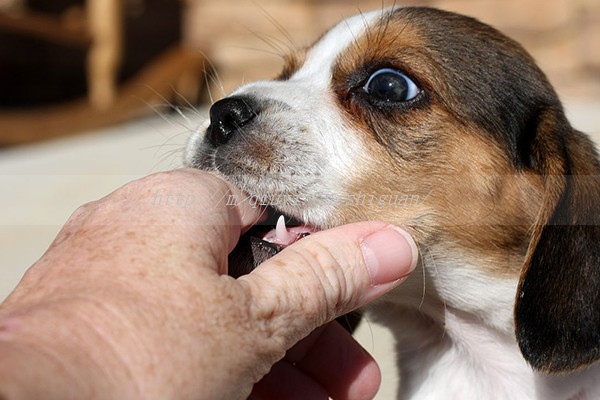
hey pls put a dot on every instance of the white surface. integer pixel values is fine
(43, 184)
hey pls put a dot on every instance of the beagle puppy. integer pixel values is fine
(443, 125)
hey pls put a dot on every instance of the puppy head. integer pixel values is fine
(441, 124)
(385, 103)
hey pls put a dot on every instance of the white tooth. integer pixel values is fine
(281, 231)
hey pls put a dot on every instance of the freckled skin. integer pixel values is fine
(134, 294)
(126, 304)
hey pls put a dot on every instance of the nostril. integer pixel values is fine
(227, 116)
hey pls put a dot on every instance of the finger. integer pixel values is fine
(332, 357)
(327, 363)
(188, 201)
(199, 207)
(285, 381)
(325, 275)
(221, 205)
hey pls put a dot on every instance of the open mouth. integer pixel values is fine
(287, 232)
(262, 241)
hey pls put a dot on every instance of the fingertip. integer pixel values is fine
(367, 382)
(338, 362)
(390, 254)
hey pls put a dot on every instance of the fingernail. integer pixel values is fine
(390, 254)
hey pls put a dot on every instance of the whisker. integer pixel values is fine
(371, 334)
(434, 264)
(424, 274)
(211, 73)
(169, 154)
(278, 47)
(292, 43)
(274, 52)
(153, 147)
(189, 106)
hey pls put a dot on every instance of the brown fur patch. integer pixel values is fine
(444, 177)
(292, 62)
(560, 282)
(465, 193)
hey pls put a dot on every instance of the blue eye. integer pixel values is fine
(391, 86)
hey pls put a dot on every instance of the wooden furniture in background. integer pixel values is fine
(244, 40)
(173, 77)
(105, 26)
(97, 27)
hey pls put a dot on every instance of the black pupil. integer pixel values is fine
(389, 87)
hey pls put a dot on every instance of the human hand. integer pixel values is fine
(132, 301)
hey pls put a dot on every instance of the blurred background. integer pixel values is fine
(73, 65)
(95, 93)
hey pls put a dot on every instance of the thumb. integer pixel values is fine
(328, 274)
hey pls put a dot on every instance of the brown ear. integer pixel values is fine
(557, 311)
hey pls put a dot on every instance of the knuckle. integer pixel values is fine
(318, 290)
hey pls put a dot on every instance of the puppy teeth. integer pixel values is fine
(281, 231)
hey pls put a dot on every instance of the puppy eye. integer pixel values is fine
(391, 86)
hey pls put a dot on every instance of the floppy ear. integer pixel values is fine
(557, 310)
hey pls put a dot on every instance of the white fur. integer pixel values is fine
(473, 361)
(455, 339)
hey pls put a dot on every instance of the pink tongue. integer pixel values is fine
(285, 236)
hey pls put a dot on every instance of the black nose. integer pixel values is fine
(227, 116)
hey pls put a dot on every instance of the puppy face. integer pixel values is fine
(385, 107)
(432, 121)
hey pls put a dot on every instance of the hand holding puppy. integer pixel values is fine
(132, 301)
